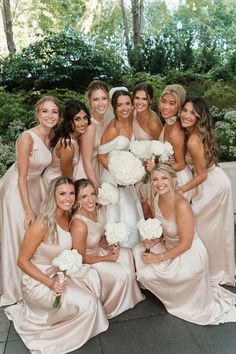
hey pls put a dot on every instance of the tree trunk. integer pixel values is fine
(126, 26)
(7, 23)
(137, 15)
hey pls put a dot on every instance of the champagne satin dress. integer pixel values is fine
(54, 169)
(183, 284)
(12, 215)
(119, 288)
(213, 210)
(48, 330)
(183, 176)
(128, 210)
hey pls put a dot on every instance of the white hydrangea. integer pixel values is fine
(108, 194)
(116, 232)
(125, 168)
(68, 261)
(150, 229)
(164, 151)
(141, 149)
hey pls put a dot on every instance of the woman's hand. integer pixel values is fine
(149, 165)
(57, 286)
(29, 219)
(150, 258)
(104, 244)
(148, 244)
(112, 256)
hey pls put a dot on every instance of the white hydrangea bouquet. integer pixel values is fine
(150, 229)
(125, 168)
(69, 263)
(108, 194)
(141, 149)
(116, 233)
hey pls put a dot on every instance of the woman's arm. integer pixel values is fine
(196, 151)
(185, 224)
(79, 232)
(87, 142)
(110, 133)
(66, 155)
(177, 140)
(32, 239)
(24, 148)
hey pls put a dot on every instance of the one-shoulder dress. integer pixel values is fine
(12, 216)
(183, 284)
(128, 210)
(48, 330)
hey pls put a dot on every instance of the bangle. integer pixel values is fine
(162, 257)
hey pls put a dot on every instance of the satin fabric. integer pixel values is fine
(119, 288)
(54, 169)
(213, 209)
(13, 215)
(183, 283)
(128, 210)
(183, 176)
(48, 330)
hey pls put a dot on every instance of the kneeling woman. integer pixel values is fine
(43, 328)
(115, 266)
(178, 273)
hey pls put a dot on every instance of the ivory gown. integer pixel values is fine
(119, 288)
(183, 176)
(54, 169)
(13, 215)
(144, 190)
(128, 210)
(183, 283)
(213, 210)
(48, 330)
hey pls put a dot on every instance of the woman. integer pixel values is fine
(65, 143)
(42, 327)
(21, 193)
(170, 104)
(146, 126)
(177, 272)
(98, 96)
(117, 137)
(212, 203)
(119, 289)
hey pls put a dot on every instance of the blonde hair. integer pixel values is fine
(47, 212)
(167, 170)
(177, 91)
(97, 85)
(44, 99)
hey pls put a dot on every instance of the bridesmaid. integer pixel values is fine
(98, 96)
(146, 126)
(117, 137)
(65, 143)
(212, 204)
(119, 291)
(42, 327)
(21, 192)
(170, 104)
(177, 272)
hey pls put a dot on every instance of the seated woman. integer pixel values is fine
(117, 137)
(42, 327)
(177, 272)
(119, 289)
(66, 159)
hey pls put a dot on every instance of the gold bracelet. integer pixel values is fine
(162, 257)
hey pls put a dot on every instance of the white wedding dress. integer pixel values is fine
(128, 210)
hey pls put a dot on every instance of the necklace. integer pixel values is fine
(171, 120)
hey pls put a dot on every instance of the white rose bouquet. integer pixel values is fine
(69, 263)
(141, 149)
(150, 229)
(125, 168)
(108, 194)
(116, 233)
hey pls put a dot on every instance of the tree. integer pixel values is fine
(7, 23)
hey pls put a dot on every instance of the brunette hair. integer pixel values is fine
(115, 97)
(97, 85)
(147, 88)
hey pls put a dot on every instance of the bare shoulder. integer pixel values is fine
(194, 141)
(182, 206)
(90, 131)
(37, 228)
(110, 133)
(176, 133)
(25, 139)
(78, 225)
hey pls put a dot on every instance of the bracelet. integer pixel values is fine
(162, 257)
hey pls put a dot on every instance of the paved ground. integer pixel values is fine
(146, 329)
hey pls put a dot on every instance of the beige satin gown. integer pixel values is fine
(183, 283)
(213, 209)
(12, 216)
(119, 288)
(54, 169)
(144, 190)
(183, 176)
(48, 330)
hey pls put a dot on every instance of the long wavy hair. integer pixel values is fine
(48, 208)
(147, 88)
(204, 128)
(67, 126)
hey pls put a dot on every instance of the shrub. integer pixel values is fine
(221, 95)
(226, 136)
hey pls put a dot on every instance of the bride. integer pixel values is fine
(117, 137)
